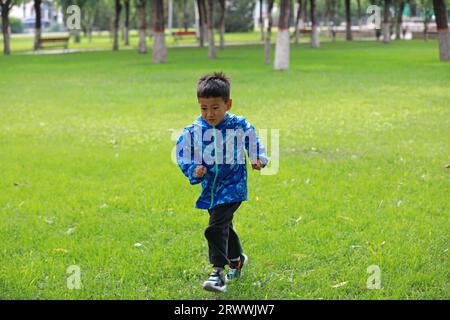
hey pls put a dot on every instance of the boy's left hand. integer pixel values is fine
(257, 165)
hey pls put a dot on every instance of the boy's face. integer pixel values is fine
(214, 109)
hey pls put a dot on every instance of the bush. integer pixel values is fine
(239, 16)
(55, 27)
(15, 25)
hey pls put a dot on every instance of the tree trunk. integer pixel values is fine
(386, 26)
(118, 8)
(268, 33)
(205, 19)
(201, 30)
(126, 37)
(302, 14)
(440, 11)
(297, 21)
(159, 44)
(348, 20)
(170, 16)
(212, 44)
(333, 13)
(327, 17)
(142, 26)
(37, 24)
(314, 32)
(185, 16)
(283, 38)
(77, 36)
(222, 23)
(5, 7)
(359, 15)
(261, 26)
(398, 26)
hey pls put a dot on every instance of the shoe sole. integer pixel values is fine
(212, 288)
(245, 261)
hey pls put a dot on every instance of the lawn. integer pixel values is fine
(104, 40)
(86, 174)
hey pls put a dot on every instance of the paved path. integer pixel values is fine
(180, 45)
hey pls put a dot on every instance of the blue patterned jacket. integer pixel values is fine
(221, 150)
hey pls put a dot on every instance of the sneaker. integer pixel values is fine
(234, 273)
(215, 282)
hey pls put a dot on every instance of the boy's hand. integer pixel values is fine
(200, 171)
(257, 165)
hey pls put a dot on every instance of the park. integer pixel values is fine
(357, 208)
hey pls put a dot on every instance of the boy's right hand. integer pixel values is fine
(200, 171)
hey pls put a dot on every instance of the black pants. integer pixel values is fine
(223, 241)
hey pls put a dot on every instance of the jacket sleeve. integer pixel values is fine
(255, 149)
(185, 157)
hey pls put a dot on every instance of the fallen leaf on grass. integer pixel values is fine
(70, 231)
(345, 218)
(60, 250)
(300, 255)
(340, 284)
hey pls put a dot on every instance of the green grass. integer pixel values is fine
(104, 40)
(85, 173)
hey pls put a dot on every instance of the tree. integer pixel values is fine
(142, 26)
(297, 21)
(260, 20)
(334, 17)
(398, 26)
(37, 23)
(327, 12)
(440, 11)
(126, 38)
(89, 9)
(386, 26)
(314, 32)
(283, 38)
(201, 21)
(186, 15)
(118, 8)
(212, 45)
(5, 7)
(358, 4)
(222, 23)
(427, 11)
(240, 15)
(269, 32)
(159, 42)
(348, 21)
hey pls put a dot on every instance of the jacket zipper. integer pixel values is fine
(215, 167)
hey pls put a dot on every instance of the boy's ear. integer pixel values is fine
(229, 104)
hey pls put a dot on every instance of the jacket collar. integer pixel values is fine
(201, 122)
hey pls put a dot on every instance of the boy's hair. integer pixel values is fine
(214, 85)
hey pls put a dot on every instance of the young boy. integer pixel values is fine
(211, 152)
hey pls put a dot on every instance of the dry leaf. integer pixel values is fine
(340, 284)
